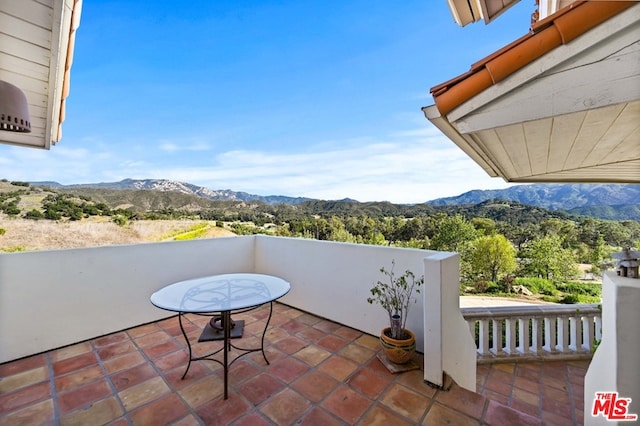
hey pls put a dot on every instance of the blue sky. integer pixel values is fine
(289, 97)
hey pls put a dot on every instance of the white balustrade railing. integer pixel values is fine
(534, 332)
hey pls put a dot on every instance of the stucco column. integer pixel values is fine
(449, 346)
(615, 366)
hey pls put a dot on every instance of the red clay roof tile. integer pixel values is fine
(553, 31)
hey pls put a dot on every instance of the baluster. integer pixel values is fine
(587, 332)
(536, 335)
(575, 334)
(598, 328)
(549, 334)
(483, 339)
(472, 329)
(510, 328)
(523, 328)
(563, 335)
(530, 332)
(497, 337)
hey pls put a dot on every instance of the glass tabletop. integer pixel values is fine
(217, 293)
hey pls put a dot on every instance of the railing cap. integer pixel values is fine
(530, 311)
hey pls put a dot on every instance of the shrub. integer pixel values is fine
(119, 220)
(3, 231)
(579, 299)
(507, 283)
(493, 287)
(34, 214)
(588, 289)
(481, 286)
(11, 209)
(13, 249)
(538, 285)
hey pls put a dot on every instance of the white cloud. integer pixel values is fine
(409, 166)
(169, 146)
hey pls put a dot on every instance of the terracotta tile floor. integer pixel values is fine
(320, 373)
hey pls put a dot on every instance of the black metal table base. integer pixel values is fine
(215, 330)
(226, 330)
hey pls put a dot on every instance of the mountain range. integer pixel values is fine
(164, 185)
(553, 196)
(605, 201)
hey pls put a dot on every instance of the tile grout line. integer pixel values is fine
(108, 379)
(255, 409)
(485, 408)
(288, 386)
(540, 390)
(52, 388)
(513, 384)
(570, 392)
(429, 406)
(340, 382)
(161, 374)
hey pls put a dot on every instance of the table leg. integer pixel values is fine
(184, 333)
(226, 324)
(264, 332)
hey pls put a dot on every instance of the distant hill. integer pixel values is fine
(164, 185)
(606, 201)
(619, 212)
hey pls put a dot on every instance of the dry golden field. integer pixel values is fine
(29, 235)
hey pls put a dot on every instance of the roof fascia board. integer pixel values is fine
(504, 6)
(625, 24)
(461, 11)
(465, 143)
(61, 16)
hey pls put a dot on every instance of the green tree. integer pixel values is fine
(615, 233)
(34, 214)
(453, 232)
(339, 232)
(491, 257)
(376, 239)
(414, 243)
(484, 224)
(597, 256)
(564, 229)
(545, 258)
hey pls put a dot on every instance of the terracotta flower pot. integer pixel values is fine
(398, 351)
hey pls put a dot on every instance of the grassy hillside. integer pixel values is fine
(27, 235)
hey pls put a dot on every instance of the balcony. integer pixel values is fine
(320, 372)
(77, 329)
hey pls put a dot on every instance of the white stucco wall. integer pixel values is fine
(53, 298)
(451, 347)
(332, 280)
(615, 366)
(50, 299)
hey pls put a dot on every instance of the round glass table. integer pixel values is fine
(219, 296)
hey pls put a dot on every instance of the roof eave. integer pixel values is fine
(505, 127)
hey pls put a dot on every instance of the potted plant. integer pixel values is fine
(396, 294)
